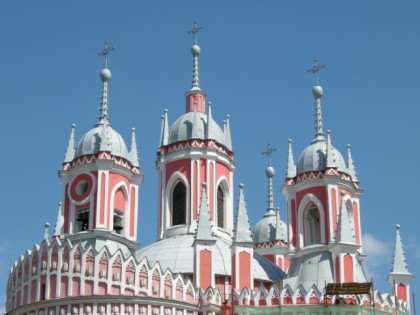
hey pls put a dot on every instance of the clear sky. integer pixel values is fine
(253, 66)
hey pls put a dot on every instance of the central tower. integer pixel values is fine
(194, 150)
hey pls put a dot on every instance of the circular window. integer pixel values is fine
(82, 187)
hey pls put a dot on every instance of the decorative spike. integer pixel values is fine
(133, 154)
(164, 129)
(204, 228)
(105, 76)
(399, 264)
(46, 226)
(331, 160)
(280, 232)
(350, 165)
(105, 139)
(196, 132)
(291, 167)
(319, 133)
(71, 148)
(242, 231)
(344, 230)
(195, 51)
(209, 121)
(227, 133)
(58, 221)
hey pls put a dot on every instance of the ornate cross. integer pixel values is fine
(104, 53)
(195, 30)
(268, 152)
(315, 70)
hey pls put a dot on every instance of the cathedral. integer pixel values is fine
(206, 260)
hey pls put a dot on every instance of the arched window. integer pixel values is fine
(178, 204)
(312, 230)
(220, 208)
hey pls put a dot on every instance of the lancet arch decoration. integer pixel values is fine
(222, 197)
(311, 221)
(177, 196)
(119, 207)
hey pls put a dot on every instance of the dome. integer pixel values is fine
(186, 127)
(177, 254)
(90, 143)
(265, 229)
(314, 158)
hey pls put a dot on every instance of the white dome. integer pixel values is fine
(90, 143)
(177, 254)
(265, 229)
(314, 158)
(185, 128)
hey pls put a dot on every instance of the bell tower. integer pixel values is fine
(192, 151)
(100, 177)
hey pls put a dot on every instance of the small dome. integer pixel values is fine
(90, 143)
(314, 158)
(185, 128)
(265, 229)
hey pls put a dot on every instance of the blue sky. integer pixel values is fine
(252, 66)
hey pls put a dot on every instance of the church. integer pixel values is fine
(206, 260)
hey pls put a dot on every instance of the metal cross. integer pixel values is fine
(195, 30)
(315, 70)
(104, 53)
(268, 152)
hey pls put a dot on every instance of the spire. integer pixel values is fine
(164, 129)
(105, 76)
(196, 132)
(71, 148)
(317, 93)
(350, 164)
(195, 51)
(105, 139)
(331, 160)
(204, 228)
(344, 231)
(209, 121)
(242, 231)
(291, 167)
(269, 172)
(226, 131)
(280, 232)
(46, 226)
(399, 264)
(58, 221)
(133, 154)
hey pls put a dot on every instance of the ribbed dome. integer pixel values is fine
(265, 230)
(186, 127)
(90, 143)
(177, 254)
(314, 158)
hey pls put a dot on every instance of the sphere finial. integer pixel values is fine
(105, 75)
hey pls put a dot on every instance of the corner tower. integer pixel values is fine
(100, 177)
(195, 149)
(322, 195)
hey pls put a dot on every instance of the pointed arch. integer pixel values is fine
(176, 178)
(222, 199)
(120, 208)
(311, 221)
(179, 203)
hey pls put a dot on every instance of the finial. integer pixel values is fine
(242, 230)
(104, 53)
(315, 70)
(58, 222)
(268, 152)
(195, 30)
(241, 186)
(350, 164)
(133, 154)
(46, 226)
(291, 167)
(71, 150)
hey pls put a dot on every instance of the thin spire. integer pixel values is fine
(269, 172)
(399, 264)
(196, 132)
(164, 130)
(331, 160)
(350, 164)
(242, 231)
(46, 226)
(71, 148)
(227, 133)
(317, 93)
(58, 221)
(105, 139)
(105, 76)
(133, 154)
(344, 230)
(280, 231)
(209, 121)
(291, 167)
(204, 228)
(195, 51)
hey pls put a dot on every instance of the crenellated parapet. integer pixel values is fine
(80, 276)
